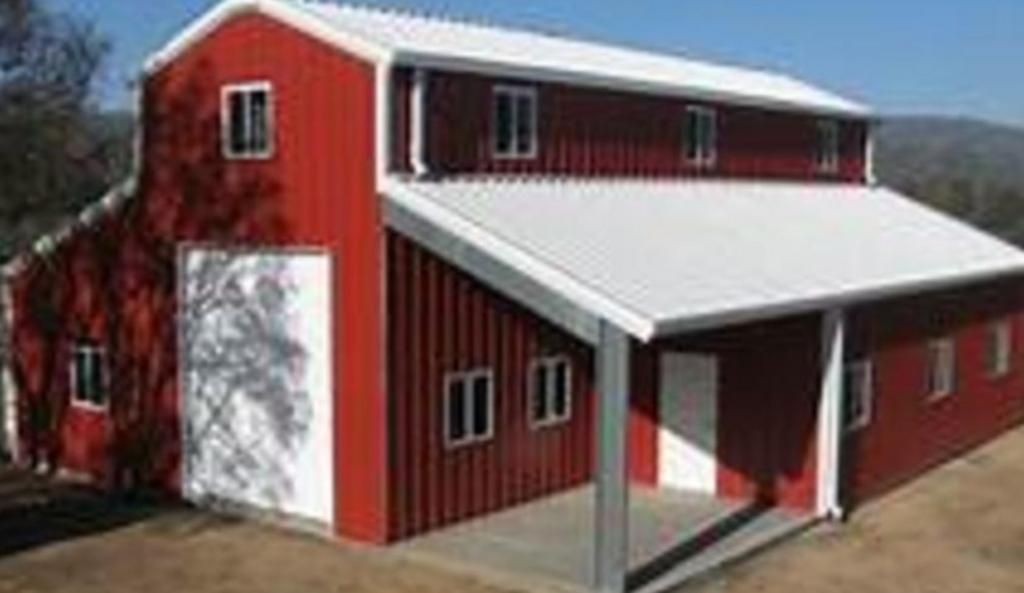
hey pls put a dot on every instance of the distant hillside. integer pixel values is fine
(971, 169)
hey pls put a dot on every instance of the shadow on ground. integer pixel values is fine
(37, 511)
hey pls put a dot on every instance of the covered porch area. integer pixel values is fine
(673, 536)
(745, 286)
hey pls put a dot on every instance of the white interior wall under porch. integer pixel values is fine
(256, 376)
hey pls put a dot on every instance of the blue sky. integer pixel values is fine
(952, 57)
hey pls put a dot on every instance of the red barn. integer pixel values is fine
(381, 272)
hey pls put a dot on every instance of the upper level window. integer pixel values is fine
(89, 376)
(941, 367)
(515, 122)
(550, 391)
(468, 407)
(827, 156)
(858, 394)
(247, 122)
(999, 349)
(701, 136)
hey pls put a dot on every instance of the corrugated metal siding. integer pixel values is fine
(316, 191)
(768, 405)
(441, 320)
(908, 434)
(605, 133)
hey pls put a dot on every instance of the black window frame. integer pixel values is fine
(828, 146)
(700, 136)
(859, 388)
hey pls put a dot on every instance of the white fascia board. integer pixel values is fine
(698, 322)
(523, 262)
(283, 12)
(681, 90)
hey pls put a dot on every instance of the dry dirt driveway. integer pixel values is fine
(961, 530)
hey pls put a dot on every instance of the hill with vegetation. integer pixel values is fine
(971, 169)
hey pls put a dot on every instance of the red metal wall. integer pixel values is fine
(585, 131)
(769, 389)
(908, 434)
(440, 319)
(316, 191)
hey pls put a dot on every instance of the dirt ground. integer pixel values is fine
(960, 530)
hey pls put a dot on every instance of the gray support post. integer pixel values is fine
(830, 418)
(611, 518)
(8, 404)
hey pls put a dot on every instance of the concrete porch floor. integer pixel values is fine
(673, 537)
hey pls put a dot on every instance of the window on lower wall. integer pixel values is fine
(89, 388)
(550, 391)
(999, 349)
(941, 377)
(468, 407)
(858, 394)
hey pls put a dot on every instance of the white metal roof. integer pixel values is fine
(407, 38)
(658, 257)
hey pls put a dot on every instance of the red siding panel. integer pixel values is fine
(442, 320)
(908, 433)
(595, 132)
(316, 191)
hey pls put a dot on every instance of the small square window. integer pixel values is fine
(999, 349)
(469, 407)
(941, 376)
(858, 394)
(827, 155)
(515, 122)
(89, 376)
(247, 121)
(701, 136)
(550, 391)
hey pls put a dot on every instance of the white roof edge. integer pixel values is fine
(522, 261)
(88, 216)
(855, 110)
(684, 324)
(284, 12)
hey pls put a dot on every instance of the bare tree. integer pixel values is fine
(52, 161)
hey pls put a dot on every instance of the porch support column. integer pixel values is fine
(8, 395)
(418, 122)
(611, 518)
(830, 416)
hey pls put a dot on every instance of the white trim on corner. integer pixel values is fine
(285, 12)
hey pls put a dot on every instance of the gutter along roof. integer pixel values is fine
(661, 257)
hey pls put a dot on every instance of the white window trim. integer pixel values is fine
(76, 400)
(1002, 332)
(225, 120)
(699, 159)
(826, 157)
(946, 343)
(469, 377)
(553, 419)
(515, 91)
(867, 367)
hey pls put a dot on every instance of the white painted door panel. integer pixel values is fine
(257, 396)
(688, 432)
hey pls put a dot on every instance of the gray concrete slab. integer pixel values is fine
(548, 544)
